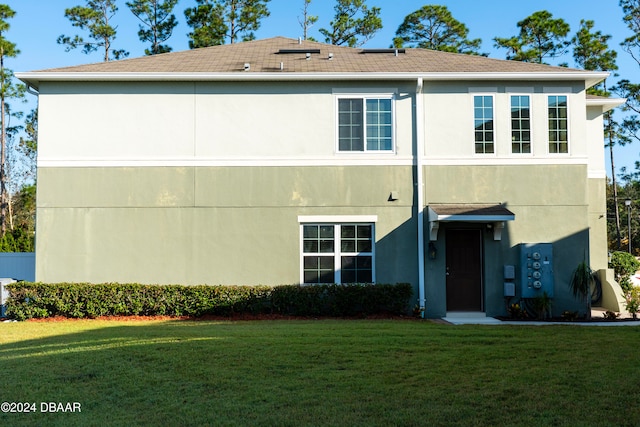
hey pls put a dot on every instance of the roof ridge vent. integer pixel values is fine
(305, 51)
(396, 51)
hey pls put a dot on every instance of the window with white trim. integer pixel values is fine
(337, 253)
(365, 123)
(483, 124)
(558, 124)
(520, 124)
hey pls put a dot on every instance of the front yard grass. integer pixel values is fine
(320, 372)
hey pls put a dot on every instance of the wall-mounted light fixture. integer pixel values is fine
(433, 251)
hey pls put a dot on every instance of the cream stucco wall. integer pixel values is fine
(448, 105)
(183, 123)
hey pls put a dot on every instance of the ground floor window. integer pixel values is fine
(338, 253)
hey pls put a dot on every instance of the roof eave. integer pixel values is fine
(606, 103)
(33, 79)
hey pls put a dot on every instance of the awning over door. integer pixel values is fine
(493, 214)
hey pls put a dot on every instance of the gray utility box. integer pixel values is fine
(536, 269)
(4, 294)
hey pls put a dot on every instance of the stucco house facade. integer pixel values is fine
(280, 161)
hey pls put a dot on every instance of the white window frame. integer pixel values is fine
(473, 115)
(531, 145)
(568, 119)
(337, 222)
(364, 97)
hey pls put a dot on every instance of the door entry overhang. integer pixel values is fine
(491, 214)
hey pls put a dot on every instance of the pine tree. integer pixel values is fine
(631, 10)
(591, 52)
(95, 18)
(8, 90)
(434, 27)
(540, 37)
(630, 126)
(157, 22)
(307, 20)
(354, 23)
(215, 21)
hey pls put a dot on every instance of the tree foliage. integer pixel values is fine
(307, 20)
(21, 236)
(540, 37)
(158, 22)
(434, 27)
(591, 52)
(353, 24)
(95, 18)
(8, 90)
(631, 10)
(215, 21)
(627, 88)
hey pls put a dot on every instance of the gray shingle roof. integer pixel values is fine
(264, 57)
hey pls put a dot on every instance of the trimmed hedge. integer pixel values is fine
(85, 300)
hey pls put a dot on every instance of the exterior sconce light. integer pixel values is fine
(433, 251)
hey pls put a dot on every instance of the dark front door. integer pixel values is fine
(464, 270)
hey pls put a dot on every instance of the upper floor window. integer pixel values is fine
(337, 253)
(365, 123)
(483, 124)
(520, 124)
(558, 124)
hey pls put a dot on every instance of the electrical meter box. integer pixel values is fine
(536, 269)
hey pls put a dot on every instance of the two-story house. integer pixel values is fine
(280, 161)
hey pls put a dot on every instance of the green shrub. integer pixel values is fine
(80, 300)
(632, 301)
(623, 264)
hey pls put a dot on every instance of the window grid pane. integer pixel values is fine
(520, 125)
(361, 120)
(317, 239)
(350, 125)
(355, 238)
(558, 124)
(483, 122)
(319, 269)
(356, 269)
(353, 256)
(379, 127)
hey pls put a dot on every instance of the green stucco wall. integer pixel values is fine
(551, 205)
(223, 225)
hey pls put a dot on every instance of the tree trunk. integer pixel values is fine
(3, 146)
(614, 184)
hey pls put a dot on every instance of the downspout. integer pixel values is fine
(420, 190)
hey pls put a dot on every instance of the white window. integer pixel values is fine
(365, 123)
(338, 253)
(520, 124)
(558, 124)
(483, 124)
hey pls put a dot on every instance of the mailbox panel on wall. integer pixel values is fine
(536, 269)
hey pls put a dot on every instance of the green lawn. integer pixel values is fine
(320, 372)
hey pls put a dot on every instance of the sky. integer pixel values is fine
(38, 23)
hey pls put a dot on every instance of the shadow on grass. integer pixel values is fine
(328, 372)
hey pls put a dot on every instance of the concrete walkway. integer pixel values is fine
(481, 319)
